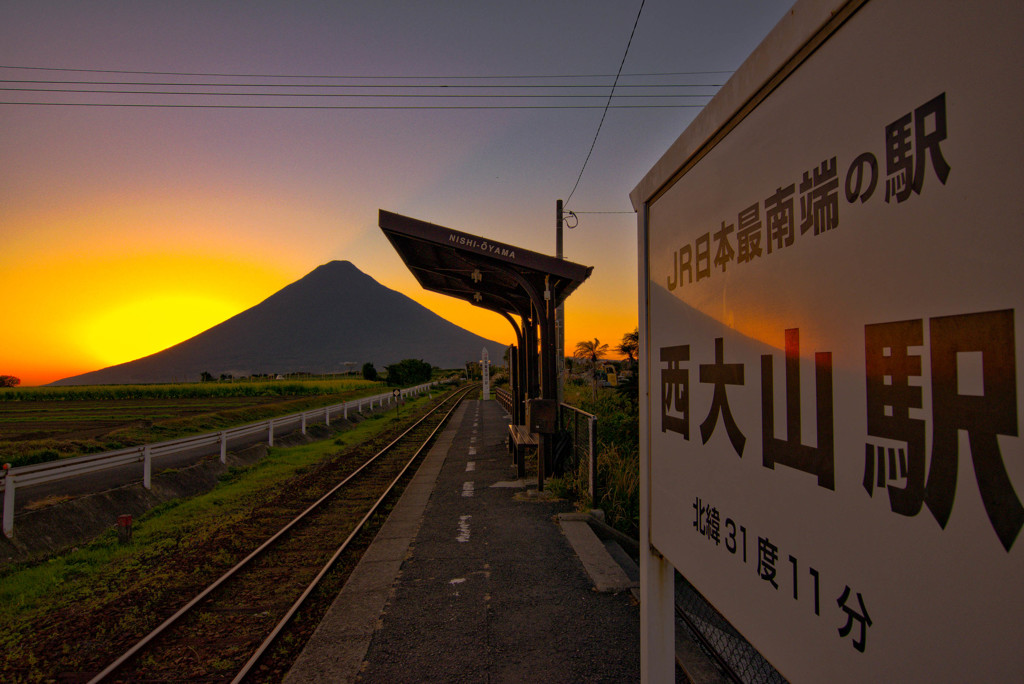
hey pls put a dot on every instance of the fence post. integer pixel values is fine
(270, 433)
(223, 447)
(303, 423)
(327, 416)
(147, 468)
(592, 425)
(9, 505)
(576, 439)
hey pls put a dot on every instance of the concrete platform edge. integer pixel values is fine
(606, 574)
(337, 648)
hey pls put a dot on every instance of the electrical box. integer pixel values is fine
(542, 416)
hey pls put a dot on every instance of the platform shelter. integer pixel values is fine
(523, 286)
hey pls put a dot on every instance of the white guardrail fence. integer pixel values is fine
(53, 471)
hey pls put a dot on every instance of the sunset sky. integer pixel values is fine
(126, 229)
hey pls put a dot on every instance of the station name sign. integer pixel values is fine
(833, 328)
(490, 248)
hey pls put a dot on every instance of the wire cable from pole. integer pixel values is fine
(610, 94)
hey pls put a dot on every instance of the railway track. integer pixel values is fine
(225, 630)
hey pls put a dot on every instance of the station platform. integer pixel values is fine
(475, 578)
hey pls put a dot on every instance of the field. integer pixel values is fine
(45, 423)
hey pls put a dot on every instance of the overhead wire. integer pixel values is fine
(608, 104)
(354, 95)
(359, 85)
(383, 82)
(657, 90)
(352, 76)
(170, 105)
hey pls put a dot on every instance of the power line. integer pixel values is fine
(429, 91)
(396, 107)
(608, 104)
(354, 77)
(651, 94)
(351, 95)
(358, 85)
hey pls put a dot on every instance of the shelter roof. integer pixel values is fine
(484, 272)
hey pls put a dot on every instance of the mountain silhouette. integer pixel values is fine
(335, 315)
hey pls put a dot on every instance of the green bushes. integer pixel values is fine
(40, 456)
(618, 471)
(369, 372)
(408, 372)
(618, 457)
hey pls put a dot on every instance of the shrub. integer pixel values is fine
(369, 372)
(619, 474)
(618, 457)
(41, 456)
(408, 372)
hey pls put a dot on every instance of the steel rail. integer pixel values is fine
(166, 624)
(251, 663)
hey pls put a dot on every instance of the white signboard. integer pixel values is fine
(835, 303)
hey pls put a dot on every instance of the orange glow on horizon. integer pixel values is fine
(81, 314)
(153, 323)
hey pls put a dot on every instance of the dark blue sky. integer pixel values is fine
(277, 192)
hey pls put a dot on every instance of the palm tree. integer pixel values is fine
(630, 345)
(591, 352)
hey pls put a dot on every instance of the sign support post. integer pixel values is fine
(657, 576)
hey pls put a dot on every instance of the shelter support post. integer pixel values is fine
(549, 379)
(513, 379)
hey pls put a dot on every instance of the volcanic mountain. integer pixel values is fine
(335, 315)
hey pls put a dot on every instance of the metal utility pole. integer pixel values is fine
(559, 314)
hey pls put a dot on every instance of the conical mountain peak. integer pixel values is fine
(328, 320)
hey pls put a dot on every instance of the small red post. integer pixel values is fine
(124, 529)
